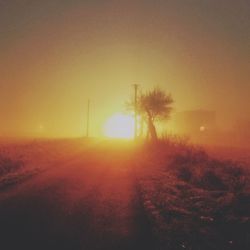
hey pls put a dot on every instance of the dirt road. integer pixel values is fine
(89, 201)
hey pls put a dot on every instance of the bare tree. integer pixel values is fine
(152, 106)
(156, 105)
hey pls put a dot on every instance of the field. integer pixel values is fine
(89, 194)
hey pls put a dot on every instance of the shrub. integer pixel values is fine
(211, 181)
(7, 165)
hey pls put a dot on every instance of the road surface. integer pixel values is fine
(89, 201)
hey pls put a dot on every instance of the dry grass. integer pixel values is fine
(22, 159)
(193, 200)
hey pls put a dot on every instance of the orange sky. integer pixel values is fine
(57, 54)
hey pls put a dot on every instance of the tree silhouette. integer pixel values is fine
(156, 105)
(151, 106)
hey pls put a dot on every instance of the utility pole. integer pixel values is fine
(87, 128)
(135, 109)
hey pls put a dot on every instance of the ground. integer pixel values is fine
(87, 200)
(76, 194)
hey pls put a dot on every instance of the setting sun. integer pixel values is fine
(119, 126)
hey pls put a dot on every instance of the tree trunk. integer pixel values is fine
(141, 127)
(152, 130)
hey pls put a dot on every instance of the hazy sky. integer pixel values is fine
(55, 54)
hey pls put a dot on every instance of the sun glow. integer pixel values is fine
(119, 126)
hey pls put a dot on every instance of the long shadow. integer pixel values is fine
(38, 222)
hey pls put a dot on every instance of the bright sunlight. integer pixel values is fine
(119, 126)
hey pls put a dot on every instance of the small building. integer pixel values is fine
(195, 121)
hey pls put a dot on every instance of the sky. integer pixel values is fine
(57, 54)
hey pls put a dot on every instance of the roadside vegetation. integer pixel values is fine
(193, 200)
(21, 160)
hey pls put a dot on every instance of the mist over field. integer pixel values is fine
(56, 55)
